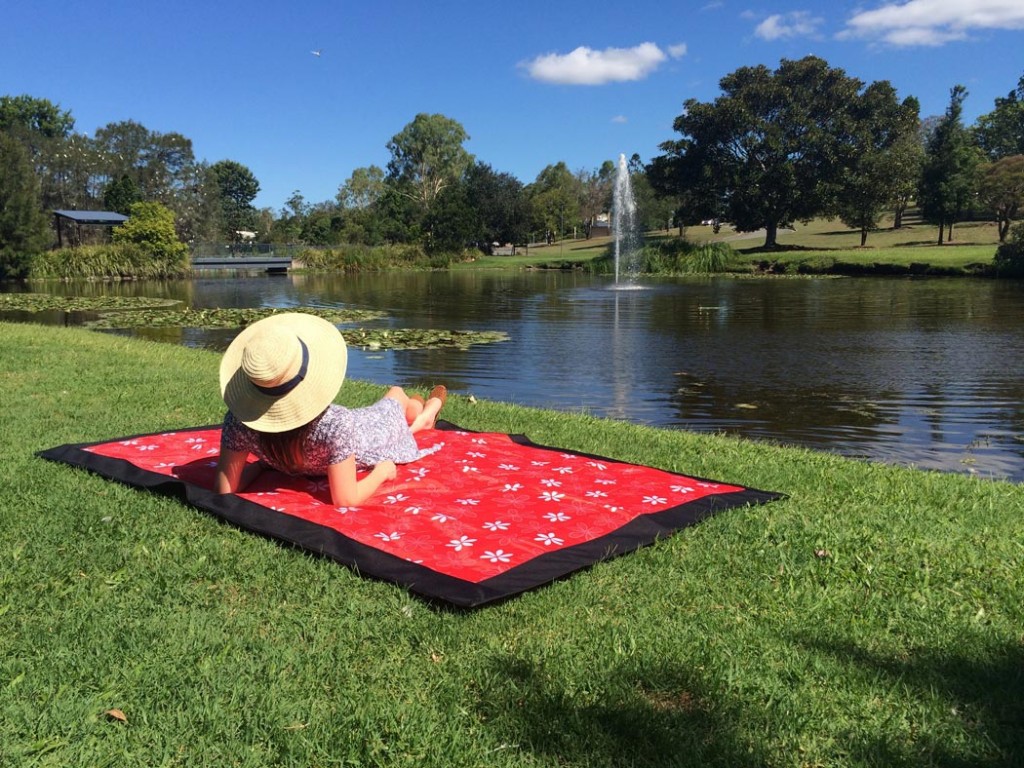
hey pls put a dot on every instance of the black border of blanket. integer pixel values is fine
(418, 579)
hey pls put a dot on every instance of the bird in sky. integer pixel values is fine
(317, 52)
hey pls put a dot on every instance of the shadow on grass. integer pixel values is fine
(658, 716)
(983, 694)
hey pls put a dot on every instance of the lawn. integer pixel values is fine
(872, 618)
(818, 245)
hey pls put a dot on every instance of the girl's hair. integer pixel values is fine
(284, 449)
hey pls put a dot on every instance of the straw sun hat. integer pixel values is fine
(283, 371)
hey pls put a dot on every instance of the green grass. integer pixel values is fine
(873, 618)
(821, 245)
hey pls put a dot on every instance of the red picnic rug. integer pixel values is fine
(485, 517)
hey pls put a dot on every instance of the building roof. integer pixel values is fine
(93, 217)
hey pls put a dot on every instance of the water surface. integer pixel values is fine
(922, 372)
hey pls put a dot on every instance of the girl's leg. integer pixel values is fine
(412, 407)
(428, 417)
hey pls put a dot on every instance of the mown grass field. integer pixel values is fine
(819, 244)
(873, 618)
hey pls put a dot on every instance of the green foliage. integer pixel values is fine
(1001, 132)
(881, 132)
(773, 149)
(117, 261)
(161, 165)
(120, 195)
(23, 225)
(150, 227)
(1001, 190)
(498, 203)
(678, 256)
(33, 121)
(554, 201)
(363, 258)
(427, 157)
(232, 187)
(949, 176)
(1009, 259)
(672, 256)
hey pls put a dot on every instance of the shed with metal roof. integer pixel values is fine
(92, 218)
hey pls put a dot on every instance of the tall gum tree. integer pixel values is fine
(427, 157)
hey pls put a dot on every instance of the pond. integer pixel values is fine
(921, 372)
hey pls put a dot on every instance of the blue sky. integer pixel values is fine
(533, 83)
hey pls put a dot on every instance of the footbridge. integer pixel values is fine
(274, 264)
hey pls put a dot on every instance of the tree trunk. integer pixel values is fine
(897, 221)
(1003, 225)
(863, 236)
(942, 231)
(771, 232)
(949, 238)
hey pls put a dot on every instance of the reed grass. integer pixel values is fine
(871, 619)
(114, 261)
(363, 258)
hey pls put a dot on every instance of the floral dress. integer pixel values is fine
(373, 434)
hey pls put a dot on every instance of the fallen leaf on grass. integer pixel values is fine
(116, 714)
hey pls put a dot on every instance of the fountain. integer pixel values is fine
(624, 225)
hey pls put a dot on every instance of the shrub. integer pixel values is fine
(150, 227)
(365, 258)
(1009, 258)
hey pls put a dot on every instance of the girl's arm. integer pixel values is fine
(347, 491)
(234, 472)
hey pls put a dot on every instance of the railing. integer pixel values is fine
(242, 261)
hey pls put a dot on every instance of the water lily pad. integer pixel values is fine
(46, 302)
(221, 317)
(373, 339)
(418, 338)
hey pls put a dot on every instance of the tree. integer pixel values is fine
(150, 226)
(553, 200)
(949, 175)
(1000, 133)
(1001, 190)
(1009, 258)
(23, 225)
(906, 158)
(34, 122)
(427, 157)
(160, 165)
(362, 189)
(289, 223)
(233, 187)
(359, 199)
(770, 151)
(595, 193)
(653, 211)
(498, 206)
(119, 195)
(881, 128)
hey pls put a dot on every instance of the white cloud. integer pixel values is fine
(620, 119)
(585, 66)
(933, 22)
(677, 51)
(784, 25)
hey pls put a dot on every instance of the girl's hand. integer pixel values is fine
(388, 469)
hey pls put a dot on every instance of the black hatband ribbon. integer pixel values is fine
(293, 382)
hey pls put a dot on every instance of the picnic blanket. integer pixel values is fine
(485, 517)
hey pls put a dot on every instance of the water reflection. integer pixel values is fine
(922, 372)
